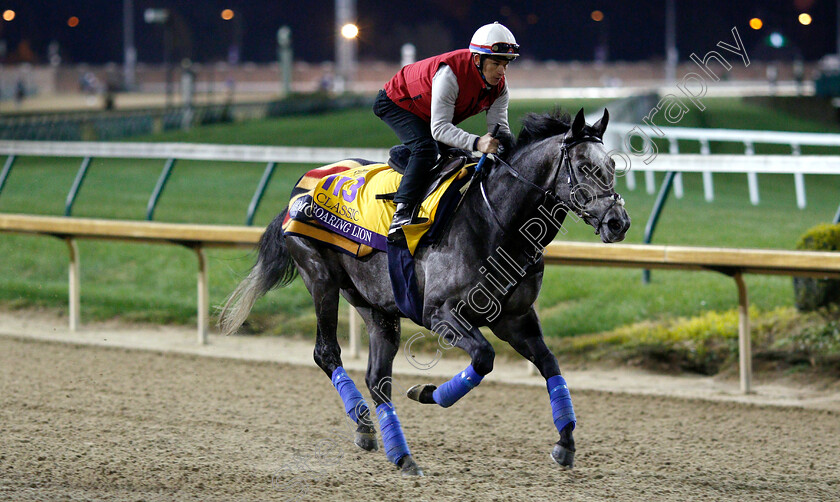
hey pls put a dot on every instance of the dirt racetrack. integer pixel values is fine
(87, 423)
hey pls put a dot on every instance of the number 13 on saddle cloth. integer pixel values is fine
(338, 205)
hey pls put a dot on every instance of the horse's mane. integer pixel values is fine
(537, 126)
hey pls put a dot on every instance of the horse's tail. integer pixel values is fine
(274, 268)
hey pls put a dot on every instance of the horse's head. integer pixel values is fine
(587, 179)
(569, 161)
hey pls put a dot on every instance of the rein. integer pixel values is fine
(549, 193)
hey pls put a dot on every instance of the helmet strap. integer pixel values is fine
(480, 66)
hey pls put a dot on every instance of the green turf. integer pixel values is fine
(157, 283)
(347, 128)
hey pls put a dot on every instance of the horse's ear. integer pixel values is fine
(578, 124)
(601, 125)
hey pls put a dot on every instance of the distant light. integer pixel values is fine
(8, 15)
(227, 14)
(805, 18)
(777, 40)
(597, 15)
(156, 16)
(532, 19)
(349, 30)
(73, 21)
(756, 23)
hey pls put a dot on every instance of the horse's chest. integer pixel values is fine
(481, 290)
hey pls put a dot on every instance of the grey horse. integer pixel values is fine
(486, 270)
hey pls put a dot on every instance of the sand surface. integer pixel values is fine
(81, 422)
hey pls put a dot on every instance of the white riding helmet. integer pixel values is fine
(494, 40)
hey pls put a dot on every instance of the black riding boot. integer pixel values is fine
(404, 215)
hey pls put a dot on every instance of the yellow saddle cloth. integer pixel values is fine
(343, 202)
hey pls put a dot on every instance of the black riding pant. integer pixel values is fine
(416, 134)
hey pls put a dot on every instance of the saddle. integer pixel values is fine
(451, 161)
(340, 205)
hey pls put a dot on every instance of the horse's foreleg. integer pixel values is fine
(384, 334)
(525, 335)
(468, 338)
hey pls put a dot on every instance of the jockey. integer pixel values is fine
(424, 102)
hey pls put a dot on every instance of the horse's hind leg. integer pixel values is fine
(470, 340)
(384, 331)
(525, 335)
(323, 281)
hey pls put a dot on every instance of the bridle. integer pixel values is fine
(549, 194)
(575, 186)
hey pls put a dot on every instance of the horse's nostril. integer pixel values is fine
(614, 225)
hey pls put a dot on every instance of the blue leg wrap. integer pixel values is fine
(447, 394)
(561, 403)
(354, 404)
(392, 434)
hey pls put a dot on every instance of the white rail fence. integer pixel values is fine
(619, 135)
(189, 151)
(617, 138)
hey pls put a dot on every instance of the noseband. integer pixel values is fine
(549, 194)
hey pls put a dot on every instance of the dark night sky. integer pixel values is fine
(559, 30)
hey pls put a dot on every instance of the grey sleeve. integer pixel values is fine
(498, 113)
(444, 94)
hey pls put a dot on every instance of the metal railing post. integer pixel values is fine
(664, 190)
(7, 168)
(630, 179)
(799, 180)
(674, 149)
(161, 182)
(752, 177)
(77, 184)
(629, 173)
(650, 182)
(203, 296)
(744, 341)
(258, 194)
(73, 289)
(708, 183)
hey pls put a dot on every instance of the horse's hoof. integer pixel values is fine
(366, 438)
(564, 457)
(409, 467)
(422, 393)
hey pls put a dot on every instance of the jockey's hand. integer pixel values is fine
(506, 143)
(488, 144)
